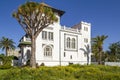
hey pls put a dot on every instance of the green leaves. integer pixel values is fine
(97, 47)
(6, 43)
(99, 40)
(114, 52)
(30, 8)
(74, 72)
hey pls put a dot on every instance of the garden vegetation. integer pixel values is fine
(72, 72)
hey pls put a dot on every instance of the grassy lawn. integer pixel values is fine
(3, 72)
(73, 72)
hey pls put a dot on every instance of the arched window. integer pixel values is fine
(73, 43)
(68, 42)
(28, 54)
(48, 51)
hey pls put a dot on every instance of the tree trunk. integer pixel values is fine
(87, 59)
(33, 51)
(6, 51)
(100, 58)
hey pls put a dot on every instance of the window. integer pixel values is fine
(73, 43)
(47, 35)
(85, 28)
(27, 38)
(50, 36)
(68, 42)
(64, 54)
(85, 40)
(28, 54)
(48, 51)
(44, 34)
(71, 57)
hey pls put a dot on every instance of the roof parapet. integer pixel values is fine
(85, 23)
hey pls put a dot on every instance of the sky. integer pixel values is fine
(104, 16)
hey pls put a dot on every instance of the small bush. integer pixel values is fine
(6, 62)
(42, 64)
(6, 66)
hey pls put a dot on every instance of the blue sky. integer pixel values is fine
(104, 15)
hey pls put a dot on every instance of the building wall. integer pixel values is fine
(78, 56)
(25, 54)
(61, 55)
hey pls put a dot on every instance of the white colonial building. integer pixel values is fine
(59, 45)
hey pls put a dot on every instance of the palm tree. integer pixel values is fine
(114, 51)
(98, 42)
(6, 44)
(86, 52)
(33, 18)
(94, 52)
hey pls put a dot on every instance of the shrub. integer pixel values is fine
(6, 62)
(73, 72)
(42, 64)
(6, 66)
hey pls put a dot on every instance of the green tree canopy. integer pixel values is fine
(97, 47)
(6, 44)
(86, 51)
(114, 52)
(33, 18)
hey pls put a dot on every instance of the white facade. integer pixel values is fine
(60, 45)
